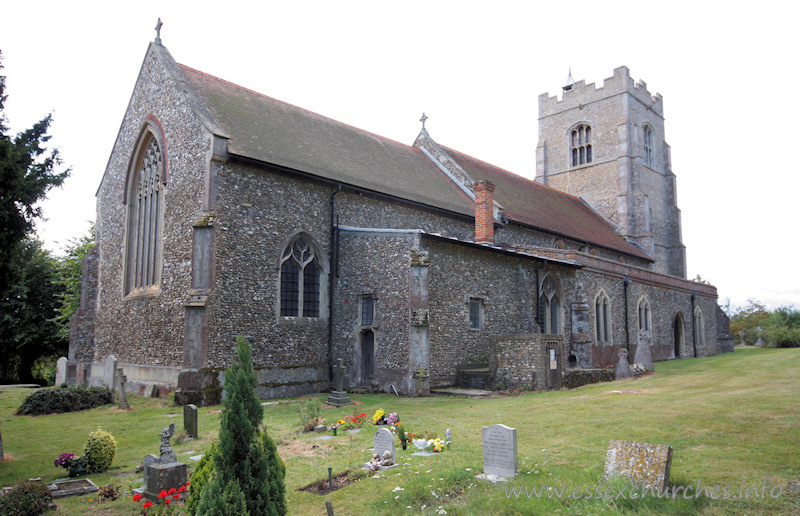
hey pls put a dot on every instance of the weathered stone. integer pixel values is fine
(163, 477)
(383, 451)
(122, 380)
(110, 372)
(339, 399)
(61, 371)
(644, 463)
(623, 368)
(190, 420)
(643, 355)
(500, 450)
(149, 460)
(167, 453)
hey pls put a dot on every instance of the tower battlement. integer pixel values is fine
(581, 94)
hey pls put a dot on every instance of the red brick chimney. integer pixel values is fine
(484, 212)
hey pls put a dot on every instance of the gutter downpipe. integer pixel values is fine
(333, 266)
(625, 282)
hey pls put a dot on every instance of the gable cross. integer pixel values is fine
(423, 120)
(158, 31)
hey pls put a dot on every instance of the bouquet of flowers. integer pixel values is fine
(70, 461)
(381, 418)
(354, 421)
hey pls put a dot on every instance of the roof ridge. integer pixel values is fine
(297, 107)
(501, 169)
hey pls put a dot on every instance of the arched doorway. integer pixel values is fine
(367, 356)
(678, 334)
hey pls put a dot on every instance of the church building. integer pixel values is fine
(225, 212)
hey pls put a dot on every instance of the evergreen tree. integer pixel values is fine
(27, 172)
(246, 455)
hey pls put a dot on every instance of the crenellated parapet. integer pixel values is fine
(580, 94)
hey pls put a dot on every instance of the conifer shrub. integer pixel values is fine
(99, 451)
(26, 499)
(246, 464)
(64, 399)
(201, 476)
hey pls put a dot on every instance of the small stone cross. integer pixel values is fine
(158, 31)
(123, 399)
(338, 375)
(423, 119)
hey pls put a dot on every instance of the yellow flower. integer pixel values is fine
(378, 415)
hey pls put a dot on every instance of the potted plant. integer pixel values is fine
(74, 464)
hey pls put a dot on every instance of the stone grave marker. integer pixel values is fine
(623, 368)
(382, 443)
(643, 355)
(640, 462)
(339, 397)
(61, 371)
(109, 372)
(122, 381)
(162, 472)
(500, 451)
(149, 460)
(190, 420)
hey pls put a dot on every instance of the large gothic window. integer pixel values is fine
(649, 158)
(145, 200)
(580, 144)
(602, 317)
(549, 307)
(301, 279)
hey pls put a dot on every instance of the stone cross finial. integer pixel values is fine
(423, 119)
(167, 453)
(158, 31)
(338, 375)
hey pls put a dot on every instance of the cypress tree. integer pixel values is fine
(246, 455)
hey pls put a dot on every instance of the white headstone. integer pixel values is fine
(383, 440)
(61, 371)
(109, 371)
(500, 450)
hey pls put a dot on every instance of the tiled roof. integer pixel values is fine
(274, 132)
(540, 206)
(271, 131)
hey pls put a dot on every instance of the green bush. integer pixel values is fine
(26, 499)
(308, 413)
(64, 399)
(202, 474)
(99, 451)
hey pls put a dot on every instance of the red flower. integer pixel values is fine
(182, 489)
(137, 498)
(172, 491)
(162, 494)
(176, 496)
(167, 501)
(188, 482)
(148, 505)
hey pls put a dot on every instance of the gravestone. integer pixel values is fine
(163, 472)
(383, 442)
(61, 371)
(122, 381)
(190, 420)
(643, 355)
(500, 451)
(623, 368)
(109, 372)
(639, 462)
(339, 397)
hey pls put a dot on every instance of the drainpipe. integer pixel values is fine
(332, 257)
(625, 282)
(694, 327)
(536, 298)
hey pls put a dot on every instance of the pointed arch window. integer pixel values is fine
(549, 306)
(699, 328)
(649, 156)
(580, 143)
(602, 318)
(644, 314)
(145, 189)
(301, 279)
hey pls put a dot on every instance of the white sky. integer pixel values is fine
(727, 71)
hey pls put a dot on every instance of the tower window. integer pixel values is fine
(475, 313)
(644, 315)
(580, 142)
(649, 158)
(367, 310)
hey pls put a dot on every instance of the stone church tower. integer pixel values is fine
(606, 145)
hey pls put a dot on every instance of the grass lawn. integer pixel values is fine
(732, 420)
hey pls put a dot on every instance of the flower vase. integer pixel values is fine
(404, 443)
(334, 431)
(76, 471)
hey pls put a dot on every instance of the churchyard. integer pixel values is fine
(731, 420)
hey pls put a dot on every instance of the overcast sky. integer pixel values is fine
(727, 71)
